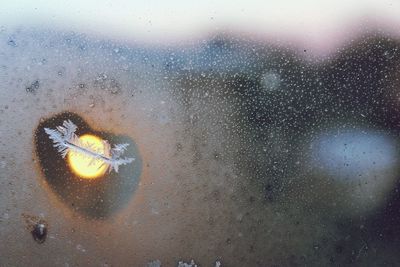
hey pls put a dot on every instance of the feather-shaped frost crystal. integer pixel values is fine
(65, 140)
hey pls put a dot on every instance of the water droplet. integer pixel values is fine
(39, 232)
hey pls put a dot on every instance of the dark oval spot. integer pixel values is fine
(97, 198)
(39, 232)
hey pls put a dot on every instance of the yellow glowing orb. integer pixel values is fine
(85, 166)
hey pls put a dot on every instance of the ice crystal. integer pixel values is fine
(65, 140)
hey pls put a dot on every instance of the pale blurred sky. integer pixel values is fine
(316, 22)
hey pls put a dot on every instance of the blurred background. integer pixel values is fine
(266, 133)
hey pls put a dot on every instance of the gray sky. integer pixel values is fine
(317, 23)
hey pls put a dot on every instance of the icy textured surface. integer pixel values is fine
(237, 165)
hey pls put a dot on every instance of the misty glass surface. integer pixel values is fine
(263, 133)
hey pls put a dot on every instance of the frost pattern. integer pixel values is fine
(184, 264)
(66, 140)
(157, 263)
